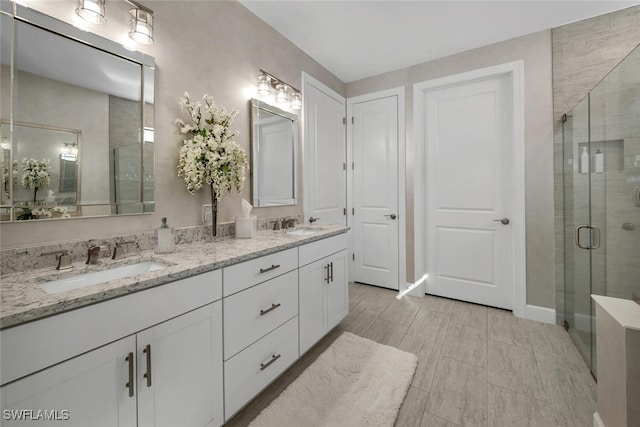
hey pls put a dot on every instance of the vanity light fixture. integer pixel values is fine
(92, 11)
(69, 151)
(282, 97)
(284, 92)
(141, 23)
(296, 101)
(264, 85)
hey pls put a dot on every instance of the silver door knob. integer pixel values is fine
(392, 216)
(504, 221)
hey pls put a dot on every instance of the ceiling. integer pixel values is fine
(358, 39)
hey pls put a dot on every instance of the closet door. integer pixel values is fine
(324, 154)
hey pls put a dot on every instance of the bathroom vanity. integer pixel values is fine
(190, 344)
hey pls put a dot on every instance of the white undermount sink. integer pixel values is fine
(303, 231)
(88, 279)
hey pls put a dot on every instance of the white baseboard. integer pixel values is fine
(541, 314)
(597, 421)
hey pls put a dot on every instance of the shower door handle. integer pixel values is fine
(594, 233)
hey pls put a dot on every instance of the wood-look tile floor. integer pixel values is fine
(478, 366)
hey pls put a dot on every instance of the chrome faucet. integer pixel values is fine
(118, 251)
(63, 259)
(289, 223)
(93, 254)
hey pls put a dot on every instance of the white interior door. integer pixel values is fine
(375, 193)
(324, 154)
(469, 190)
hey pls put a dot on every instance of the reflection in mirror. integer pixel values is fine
(45, 165)
(274, 153)
(82, 109)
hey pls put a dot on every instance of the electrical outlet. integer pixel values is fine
(207, 215)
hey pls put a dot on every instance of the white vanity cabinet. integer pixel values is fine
(323, 288)
(166, 374)
(191, 352)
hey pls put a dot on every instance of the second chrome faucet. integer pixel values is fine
(93, 254)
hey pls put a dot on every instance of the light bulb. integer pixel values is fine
(264, 85)
(281, 94)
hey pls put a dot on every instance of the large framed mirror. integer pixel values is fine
(77, 130)
(274, 155)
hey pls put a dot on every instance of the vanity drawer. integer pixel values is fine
(248, 372)
(251, 314)
(321, 248)
(246, 274)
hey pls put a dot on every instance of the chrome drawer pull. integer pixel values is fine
(264, 366)
(273, 307)
(273, 267)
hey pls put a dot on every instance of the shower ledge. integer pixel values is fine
(625, 311)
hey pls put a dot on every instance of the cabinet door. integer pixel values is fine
(88, 390)
(180, 370)
(337, 290)
(312, 281)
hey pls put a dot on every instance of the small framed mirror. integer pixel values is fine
(274, 155)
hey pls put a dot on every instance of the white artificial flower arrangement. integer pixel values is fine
(209, 155)
(35, 174)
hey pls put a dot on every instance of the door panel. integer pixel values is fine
(90, 388)
(186, 370)
(325, 155)
(469, 190)
(375, 193)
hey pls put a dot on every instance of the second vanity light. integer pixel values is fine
(284, 92)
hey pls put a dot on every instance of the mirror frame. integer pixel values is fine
(19, 13)
(256, 106)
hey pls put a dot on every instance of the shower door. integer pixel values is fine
(578, 235)
(601, 146)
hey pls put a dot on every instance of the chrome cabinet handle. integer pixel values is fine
(273, 267)
(264, 366)
(331, 271)
(273, 307)
(129, 384)
(147, 375)
(392, 216)
(503, 221)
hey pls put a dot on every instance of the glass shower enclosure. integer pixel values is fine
(601, 157)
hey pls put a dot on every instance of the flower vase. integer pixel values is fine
(214, 212)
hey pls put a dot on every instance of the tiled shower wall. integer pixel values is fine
(583, 53)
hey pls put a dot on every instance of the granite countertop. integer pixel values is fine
(22, 300)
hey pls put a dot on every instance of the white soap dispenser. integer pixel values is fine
(584, 160)
(165, 238)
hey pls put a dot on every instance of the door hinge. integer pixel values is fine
(344, 120)
(352, 166)
(344, 166)
(353, 257)
(353, 211)
(344, 211)
(352, 120)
